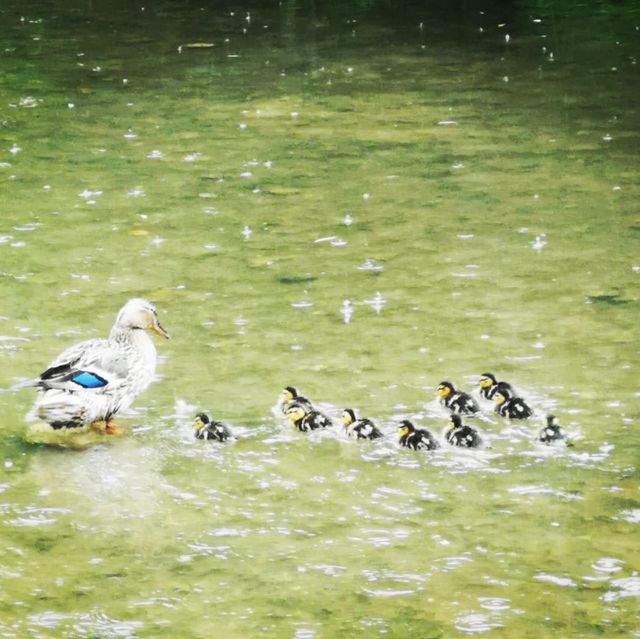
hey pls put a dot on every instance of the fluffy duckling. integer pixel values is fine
(290, 394)
(207, 428)
(459, 434)
(489, 385)
(416, 438)
(456, 401)
(305, 418)
(508, 405)
(359, 428)
(552, 433)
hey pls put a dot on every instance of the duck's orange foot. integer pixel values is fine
(112, 429)
(98, 426)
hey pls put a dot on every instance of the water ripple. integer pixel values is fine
(626, 587)
(564, 582)
(477, 622)
(32, 516)
(494, 603)
(632, 516)
(608, 565)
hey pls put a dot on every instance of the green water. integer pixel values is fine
(361, 200)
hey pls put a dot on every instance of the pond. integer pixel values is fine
(359, 199)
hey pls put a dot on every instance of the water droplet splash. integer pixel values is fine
(346, 311)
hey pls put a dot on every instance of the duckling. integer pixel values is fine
(290, 394)
(552, 433)
(489, 385)
(207, 428)
(416, 438)
(359, 428)
(456, 401)
(305, 418)
(90, 382)
(508, 405)
(459, 434)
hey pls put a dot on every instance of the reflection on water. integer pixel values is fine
(360, 199)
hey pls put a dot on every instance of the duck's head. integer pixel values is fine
(201, 421)
(405, 427)
(295, 412)
(487, 380)
(503, 393)
(455, 421)
(288, 394)
(552, 421)
(348, 416)
(140, 314)
(445, 389)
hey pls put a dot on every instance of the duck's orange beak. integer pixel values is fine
(158, 329)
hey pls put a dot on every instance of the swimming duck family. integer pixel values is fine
(90, 382)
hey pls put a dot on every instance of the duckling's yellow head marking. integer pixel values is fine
(288, 394)
(450, 426)
(295, 414)
(348, 417)
(485, 382)
(500, 398)
(201, 421)
(405, 428)
(444, 390)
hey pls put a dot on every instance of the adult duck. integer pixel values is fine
(90, 382)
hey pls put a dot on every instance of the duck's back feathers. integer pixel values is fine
(364, 429)
(313, 420)
(464, 436)
(462, 403)
(514, 408)
(211, 429)
(553, 433)
(419, 439)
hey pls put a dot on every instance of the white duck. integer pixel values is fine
(92, 381)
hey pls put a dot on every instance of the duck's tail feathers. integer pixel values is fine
(26, 383)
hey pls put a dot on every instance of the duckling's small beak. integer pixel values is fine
(158, 329)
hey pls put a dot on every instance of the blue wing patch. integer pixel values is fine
(88, 380)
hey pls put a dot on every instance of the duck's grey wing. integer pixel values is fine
(93, 364)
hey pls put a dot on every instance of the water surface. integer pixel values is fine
(361, 201)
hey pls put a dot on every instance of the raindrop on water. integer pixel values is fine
(346, 311)
(377, 303)
(539, 243)
(371, 266)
